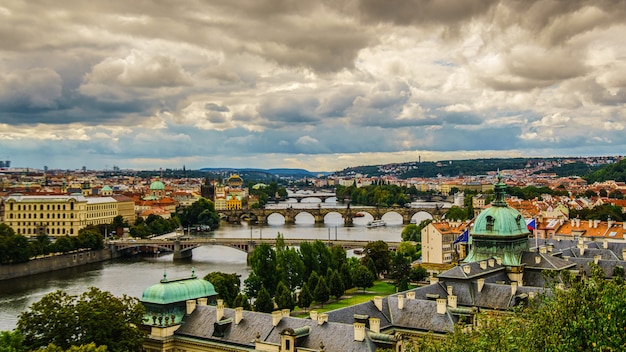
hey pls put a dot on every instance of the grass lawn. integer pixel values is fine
(350, 298)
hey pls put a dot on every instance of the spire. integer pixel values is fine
(164, 279)
(499, 189)
(193, 272)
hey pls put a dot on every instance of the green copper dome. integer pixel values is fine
(180, 290)
(499, 231)
(157, 185)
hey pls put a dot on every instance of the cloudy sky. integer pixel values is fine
(319, 85)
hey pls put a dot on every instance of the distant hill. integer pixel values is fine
(264, 173)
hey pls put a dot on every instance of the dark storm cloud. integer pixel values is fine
(283, 109)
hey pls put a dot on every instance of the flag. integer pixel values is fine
(464, 237)
(531, 224)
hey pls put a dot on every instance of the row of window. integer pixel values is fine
(49, 230)
(41, 216)
(103, 214)
(41, 206)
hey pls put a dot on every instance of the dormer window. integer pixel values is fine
(490, 222)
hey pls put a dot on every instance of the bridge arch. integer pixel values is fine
(420, 216)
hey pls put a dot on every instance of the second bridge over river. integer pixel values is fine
(259, 216)
(182, 247)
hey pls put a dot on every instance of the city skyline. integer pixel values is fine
(313, 85)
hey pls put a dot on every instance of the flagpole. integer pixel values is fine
(535, 233)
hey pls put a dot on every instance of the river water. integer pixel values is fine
(131, 276)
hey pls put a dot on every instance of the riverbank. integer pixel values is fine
(53, 262)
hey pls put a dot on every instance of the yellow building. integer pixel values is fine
(58, 215)
(55, 215)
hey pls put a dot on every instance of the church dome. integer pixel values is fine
(500, 219)
(180, 290)
(157, 185)
(499, 232)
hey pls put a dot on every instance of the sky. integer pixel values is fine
(319, 85)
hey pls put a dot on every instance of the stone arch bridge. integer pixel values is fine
(260, 216)
(182, 247)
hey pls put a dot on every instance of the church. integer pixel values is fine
(502, 270)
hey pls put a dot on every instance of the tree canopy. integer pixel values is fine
(93, 317)
(589, 315)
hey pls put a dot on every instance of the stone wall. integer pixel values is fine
(51, 263)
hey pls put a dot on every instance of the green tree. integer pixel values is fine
(400, 269)
(289, 266)
(201, 212)
(418, 273)
(227, 286)
(337, 289)
(94, 316)
(321, 294)
(456, 213)
(410, 233)
(263, 265)
(264, 302)
(407, 249)
(14, 248)
(346, 275)
(242, 301)
(616, 194)
(283, 297)
(12, 341)
(314, 278)
(305, 298)
(91, 347)
(378, 251)
(363, 277)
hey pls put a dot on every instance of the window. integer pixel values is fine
(490, 222)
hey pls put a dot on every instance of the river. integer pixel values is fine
(131, 276)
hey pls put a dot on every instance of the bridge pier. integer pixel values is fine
(179, 253)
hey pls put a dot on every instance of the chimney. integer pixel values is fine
(590, 223)
(449, 289)
(452, 301)
(400, 302)
(623, 253)
(582, 250)
(276, 316)
(566, 258)
(531, 294)
(550, 247)
(411, 294)
(238, 315)
(572, 222)
(543, 250)
(359, 332)
(499, 260)
(537, 259)
(596, 258)
(577, 222)
(191, 305)
(596, 223)
(285, 312)
(605, 244)
(313, 315)
(513, 287)
(560, 286)
(491, 262)
(220, 309)
(433, 280)
(467, 269)
(322, 318)
(202, 301)
(378, 302)
(481, 284)
(441, 306)
(483, 265)
(375, 325)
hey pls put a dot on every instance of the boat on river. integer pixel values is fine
(376, 223)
